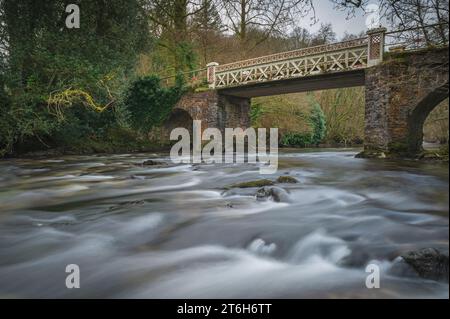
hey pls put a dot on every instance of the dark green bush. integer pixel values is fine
(6, 125)
(306, 139)
(256, 111)
(149, 104)
(318, 123)
(42, 59)
(297, 140)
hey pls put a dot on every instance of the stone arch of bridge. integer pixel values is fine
(420, 113)
(179, 118)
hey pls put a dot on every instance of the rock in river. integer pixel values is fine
(428, 263)
(154, 163)
(276, 193)
(287, 180)
(254, 184)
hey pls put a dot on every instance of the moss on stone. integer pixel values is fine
(287, 180)
(154, 163)
(378, 154)
(202, 89)
(438, 155)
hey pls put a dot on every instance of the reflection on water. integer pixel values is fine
(174, 231)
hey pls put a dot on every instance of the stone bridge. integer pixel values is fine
(401, 88)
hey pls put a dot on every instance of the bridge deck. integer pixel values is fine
(297, 85)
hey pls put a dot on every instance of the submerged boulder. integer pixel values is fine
(154, 163)
(253, 184)
(428, 263)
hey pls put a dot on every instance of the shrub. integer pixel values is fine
(149, 104)
(7, 128)
(318, 123)
(297, 139)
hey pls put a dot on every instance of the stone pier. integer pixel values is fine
(400, 94)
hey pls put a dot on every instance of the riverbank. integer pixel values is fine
(131, 144)
(440, 155)
(123, 142)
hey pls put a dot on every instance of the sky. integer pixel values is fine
(326, 13)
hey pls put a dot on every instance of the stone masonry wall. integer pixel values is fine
(394, 90)
(201, 106)
(216, 110)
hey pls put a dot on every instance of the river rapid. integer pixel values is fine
(178, 232)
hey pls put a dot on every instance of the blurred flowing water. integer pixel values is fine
(175, 232)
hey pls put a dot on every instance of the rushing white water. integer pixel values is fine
(179, 232)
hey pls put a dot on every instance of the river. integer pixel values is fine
(176, 232)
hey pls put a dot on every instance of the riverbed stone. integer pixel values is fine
(287, 180)
(428, 263)
(154, 163)
(254, 184)
(276, 193)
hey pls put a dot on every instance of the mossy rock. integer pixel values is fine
(443, 150)
(435, 155)
(428, 263)
(372, 154)
(254, 184)
(154, 163)
(287, 180)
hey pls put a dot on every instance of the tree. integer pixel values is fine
(300, 38)
(149, 103)
(344, 112)
(324, 35)
(170, 21)
(410, 14)
(42, 58)
(207, 25)
(349, 36)
(270, 17)
(318, 121)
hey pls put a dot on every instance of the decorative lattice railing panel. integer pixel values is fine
(344, 56)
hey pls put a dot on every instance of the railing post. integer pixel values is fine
(211, 74)
(376, 46)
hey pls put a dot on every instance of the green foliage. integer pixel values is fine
(149, 104)
(297, 139)
(7, 129)
(44, 58)
(256, 111)
(299, 118)
(186, 59)
(318, 122)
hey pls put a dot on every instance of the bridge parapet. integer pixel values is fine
(338, 57)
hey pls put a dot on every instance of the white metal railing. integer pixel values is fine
(337, 57)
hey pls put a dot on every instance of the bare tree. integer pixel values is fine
(412, 16)
(324, 35)
(269, 17)
(299, 38)
(207, 26)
